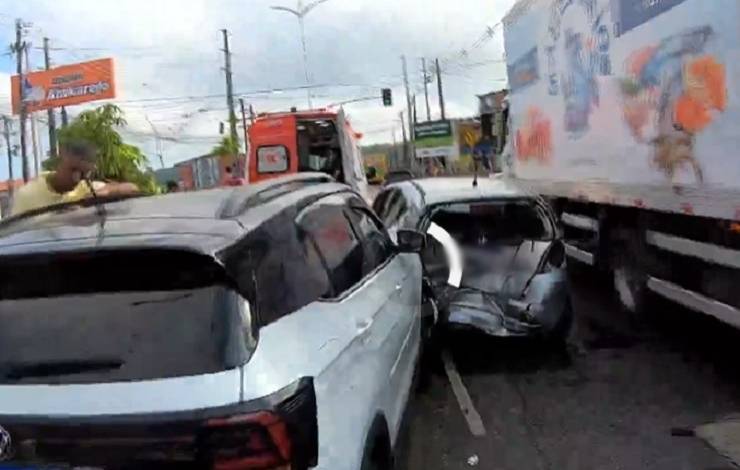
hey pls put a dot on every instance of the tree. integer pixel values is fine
(227, 147)
(117, 160)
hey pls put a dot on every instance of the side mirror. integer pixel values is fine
(410, 241)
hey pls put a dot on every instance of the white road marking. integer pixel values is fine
(475, 423)
(452, 253)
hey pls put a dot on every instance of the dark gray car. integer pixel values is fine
(505, 253)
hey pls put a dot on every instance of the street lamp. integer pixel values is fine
(300, 12)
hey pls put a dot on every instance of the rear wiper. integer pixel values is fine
(54, 368)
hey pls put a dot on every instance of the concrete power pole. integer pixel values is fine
(65, 119)
(229, 88)
(6, 132)
(52, 117)
(426, 87)
(244, 124)
(439, 89)
(408, 98)
(413, 101)
(34, 139)
(18, 48)
(405, 141)
(394, 161)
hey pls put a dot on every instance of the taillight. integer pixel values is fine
(284, 436)
(251, 441)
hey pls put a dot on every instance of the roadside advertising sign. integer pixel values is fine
(64, 86)
(434, 139)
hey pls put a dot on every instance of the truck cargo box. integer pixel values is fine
(627, 102)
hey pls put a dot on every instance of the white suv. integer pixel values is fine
(269, 326)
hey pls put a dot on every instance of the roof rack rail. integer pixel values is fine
(396, 176)
(271, 189)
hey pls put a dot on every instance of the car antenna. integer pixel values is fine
(98, 204)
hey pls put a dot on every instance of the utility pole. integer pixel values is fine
(18, 48)
(405, 141)
(394, 164)
(52, 117)
(413, 100)
(6, 132)
(229, 88)
(157, 141)
(439, 89)
(408, 98)
(34, 138)
(426, 87)
(246, 135)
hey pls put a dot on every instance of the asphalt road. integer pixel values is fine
(607, 401)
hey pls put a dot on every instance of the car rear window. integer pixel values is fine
(494, 221)
(118, 316)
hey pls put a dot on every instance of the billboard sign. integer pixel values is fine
(434, 139)
(64, 86)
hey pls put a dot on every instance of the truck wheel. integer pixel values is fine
(629, 279)
(629, 287)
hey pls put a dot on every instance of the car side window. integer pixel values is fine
(326, 227)
(381, 202)
(376, 245)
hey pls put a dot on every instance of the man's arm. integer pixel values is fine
(117, 189)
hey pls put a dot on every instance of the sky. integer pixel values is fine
(169, 60)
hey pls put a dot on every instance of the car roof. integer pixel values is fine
(458, 188)
(203, 221)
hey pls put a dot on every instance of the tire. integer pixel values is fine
(629, 279)
(560, 333)
(630, 286)
(378, 452)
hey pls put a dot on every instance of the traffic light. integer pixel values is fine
(387, 97)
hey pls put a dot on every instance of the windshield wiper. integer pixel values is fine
(63, 206)
(55, 368)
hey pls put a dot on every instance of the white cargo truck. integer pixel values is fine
(626, 114)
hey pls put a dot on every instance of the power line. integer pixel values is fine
(186, 98)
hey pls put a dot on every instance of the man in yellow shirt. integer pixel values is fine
(68, 183)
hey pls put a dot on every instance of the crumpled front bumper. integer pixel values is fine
(538, 312)
(491, 321)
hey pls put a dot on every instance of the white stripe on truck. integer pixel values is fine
(705, 251)
(695, 301)
(580, 221)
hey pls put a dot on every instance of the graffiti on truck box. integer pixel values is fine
(534, 139)
(577, 52)
(671, 93)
